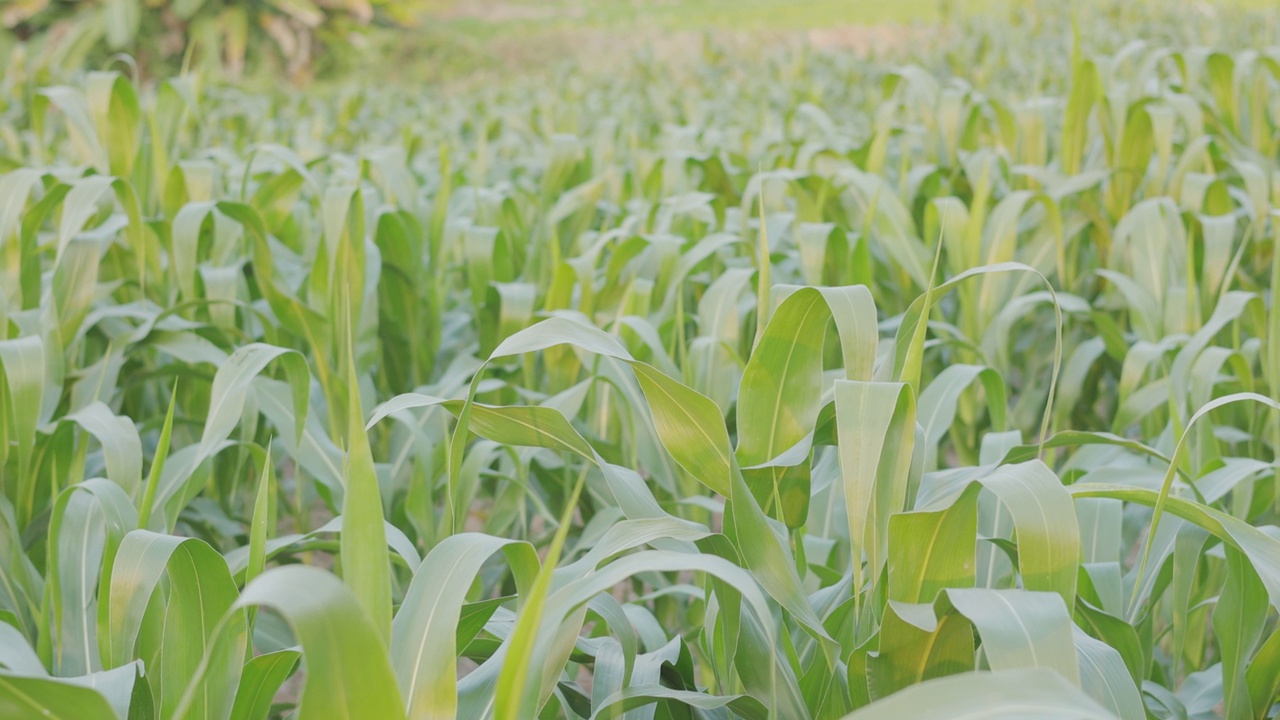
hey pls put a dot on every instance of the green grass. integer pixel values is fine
(713, 14)
(494, 39)
(735, 384)
(515, 18)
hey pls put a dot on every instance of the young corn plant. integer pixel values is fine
(833, 389)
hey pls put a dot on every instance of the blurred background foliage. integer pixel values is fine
(477, 40)
(294, 35)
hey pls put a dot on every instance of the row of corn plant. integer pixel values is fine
(829, 389)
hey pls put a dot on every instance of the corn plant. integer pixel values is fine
(822, 390)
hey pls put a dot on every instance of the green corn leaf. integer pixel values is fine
(929, 550)
(1008, 694)
(23, 365)
(423, 640)
(32, 698)
(231, 386)
(201, 593)
(876, 439)
(365, 563)
(1238, 622)
(260, 681)
(1018, 628)
(1105, 679)
(348, 675)
(1044, 518)
(88, 524)
(915, 647)
(519, 684)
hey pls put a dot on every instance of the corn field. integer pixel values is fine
(818, 388)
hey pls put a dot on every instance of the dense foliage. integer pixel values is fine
(794, 388)
(224, 33)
